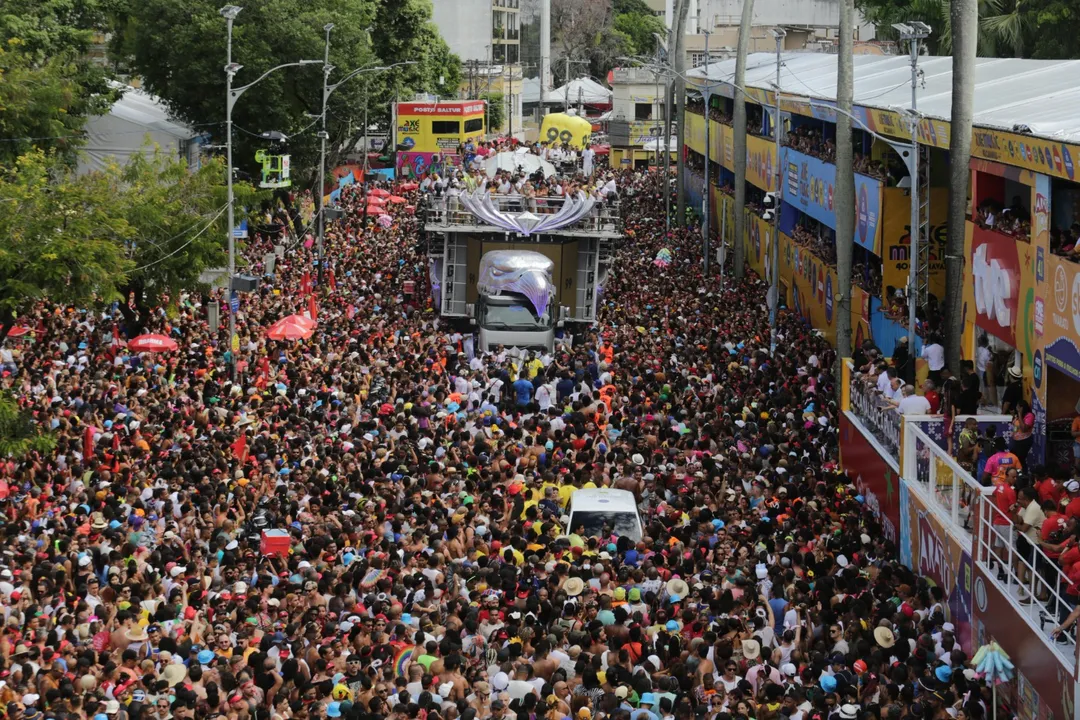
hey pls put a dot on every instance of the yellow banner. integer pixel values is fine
(812, 289)
(1023, 151)
(695, 133)
(896, 241)
(760, 162)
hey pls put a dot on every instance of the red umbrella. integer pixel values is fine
(379, 193)
(406, 187)
(293, 327)
(410, 209)
(375, 210)
(19, 331)
(375, 200)
(397, 199)
(151, 343)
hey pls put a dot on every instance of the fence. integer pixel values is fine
(948, 487)
(1024, 574)
(877, 415)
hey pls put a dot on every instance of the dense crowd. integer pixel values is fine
(421, 492)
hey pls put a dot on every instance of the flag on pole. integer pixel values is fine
(239, 449)
(312, 308)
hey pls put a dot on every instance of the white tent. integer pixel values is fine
(134, 119)
(584, 90)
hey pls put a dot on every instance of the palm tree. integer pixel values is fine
(1006, 23)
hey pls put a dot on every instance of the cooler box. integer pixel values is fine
(275, 542)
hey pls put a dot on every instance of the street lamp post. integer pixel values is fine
(229, 12)
(913, 32)
(327, 91)
(706, 190)
(774, 290)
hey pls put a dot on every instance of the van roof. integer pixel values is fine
(606, 498)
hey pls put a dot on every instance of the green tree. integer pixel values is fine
(48, 83)
(178, 227)
(60, 237)
(178, 48)
(496, 110)
(19, 433)
(639, 28)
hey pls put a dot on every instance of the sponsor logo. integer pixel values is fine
(980, 594)
(1037, 368)
(1076, 302)
(1061, 289)
(828, 299)
(863, 216)
(1067, 159)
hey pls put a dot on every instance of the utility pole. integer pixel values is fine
(965, 27)
(706, 191)
(913, 32)
(680, 99)
(322, 147)
(739, 122)
(845, 180)
(774, 260)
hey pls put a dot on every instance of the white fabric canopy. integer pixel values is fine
(585, 90)
(124, 131)
(1037, 96)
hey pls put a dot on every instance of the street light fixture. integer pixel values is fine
(229, 12)
(328, 90)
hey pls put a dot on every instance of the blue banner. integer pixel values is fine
(808, 185)
(345, 180)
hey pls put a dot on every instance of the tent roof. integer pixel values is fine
(1037, 96)
(588, 90)
(142, 108)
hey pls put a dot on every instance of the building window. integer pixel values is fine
(445, 127)
(474, 125)
(642, 111)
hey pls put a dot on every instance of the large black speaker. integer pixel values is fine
(244, 283)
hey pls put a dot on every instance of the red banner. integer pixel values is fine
(995, 264)
(1044, 687)
(875, 479)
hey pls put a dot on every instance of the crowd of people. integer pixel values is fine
(420, 494)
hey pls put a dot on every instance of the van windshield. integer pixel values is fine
(597, 523)
(513, 312)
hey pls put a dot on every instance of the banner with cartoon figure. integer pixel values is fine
(896, 240)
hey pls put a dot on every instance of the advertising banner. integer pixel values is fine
(415, 164)
(808, 185)
(695, 133)
(1044, 688)
(995, 265)
(760, 162)
(758, 234)
(1061, 326)
(932, 552)
(896, 241)
(1024, 151)
(875, 478)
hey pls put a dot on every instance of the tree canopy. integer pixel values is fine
(178, 48)
(48, 82)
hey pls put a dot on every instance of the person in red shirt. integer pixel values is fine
(1072, 499)
(932, 396)
(1049, 489)
(1004, 499)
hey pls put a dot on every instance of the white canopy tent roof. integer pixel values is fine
(585, 90)
(124, 130)
(1037, 96)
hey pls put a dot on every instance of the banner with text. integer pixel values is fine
(896, 239)
(808, 185)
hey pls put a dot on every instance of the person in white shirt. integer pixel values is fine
(913, 404)
(587, 156)
(934, 354)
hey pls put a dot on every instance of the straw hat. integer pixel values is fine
(137, 634)
(175, 674)
(884, 637)
(677, 587)
(574, 586)
(751, 649)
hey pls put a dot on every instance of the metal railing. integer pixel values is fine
(879, 417)
(996, 548)
(449, 211)
(944, 483)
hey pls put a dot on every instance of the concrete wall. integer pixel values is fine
(471, 39)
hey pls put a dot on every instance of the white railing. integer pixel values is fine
(996, 548)
(449, 210)
(877, 415)
(949, 488)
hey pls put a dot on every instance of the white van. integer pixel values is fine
(593, 508)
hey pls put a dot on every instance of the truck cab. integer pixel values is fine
(510, 320)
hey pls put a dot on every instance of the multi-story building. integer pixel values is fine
(497, 60)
